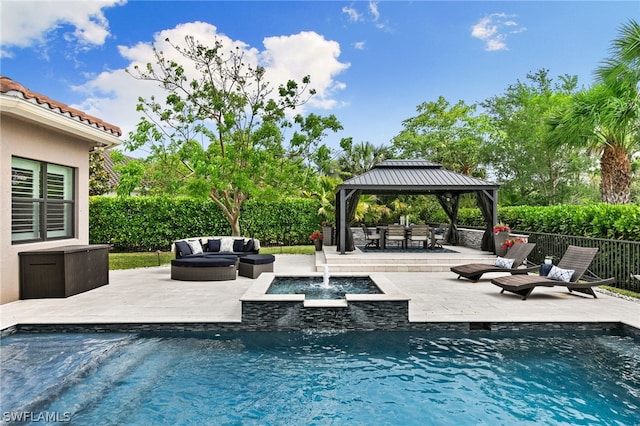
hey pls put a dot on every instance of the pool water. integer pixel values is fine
(315, 288)
(363, 378)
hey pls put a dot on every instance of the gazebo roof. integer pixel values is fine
(414, 176)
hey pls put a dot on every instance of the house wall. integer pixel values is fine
(29, 140)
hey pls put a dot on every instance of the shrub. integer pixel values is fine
(134, 224)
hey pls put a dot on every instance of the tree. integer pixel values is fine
(224, 122)
(98, 176)
(605, 119)
(531, 170)
(360, 158)
(443, 133)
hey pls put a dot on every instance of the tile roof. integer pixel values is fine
(114, 177)
(13, 88)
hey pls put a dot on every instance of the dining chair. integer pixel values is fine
(397, 233)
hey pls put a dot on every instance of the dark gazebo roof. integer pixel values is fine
(414, 176)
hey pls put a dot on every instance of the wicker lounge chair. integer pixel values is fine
(518, 252)
(575, 258)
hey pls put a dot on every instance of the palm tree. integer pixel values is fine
(605, 119)
(360, 158)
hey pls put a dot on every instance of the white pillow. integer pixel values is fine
(560, 274)
(503, 262)
(196, 247)
(226, 245)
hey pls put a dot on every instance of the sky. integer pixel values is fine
(371, 62)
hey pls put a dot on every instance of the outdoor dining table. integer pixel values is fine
(382, 229)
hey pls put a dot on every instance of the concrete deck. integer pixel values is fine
(149, 296)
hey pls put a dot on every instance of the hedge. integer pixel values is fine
(135, 224)
(151, 223)
(617, 222)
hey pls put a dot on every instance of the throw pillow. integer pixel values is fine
(503, 262)
(182, 249)
(560, 274)
(248, 246)
(226, 245)
(238, 245)
(196, 247)
(214, 245)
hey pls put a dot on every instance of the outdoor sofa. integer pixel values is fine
(210, 258)
(215, 246)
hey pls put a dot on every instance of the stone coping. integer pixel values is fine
(199, 327)
(258, 291)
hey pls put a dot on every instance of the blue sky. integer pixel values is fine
(371, 62)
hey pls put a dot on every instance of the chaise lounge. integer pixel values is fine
(570, 269)
(518, 253)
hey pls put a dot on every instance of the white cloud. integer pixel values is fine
(373, 10)
(29, 23)
(113, 95)
(352, 13)
(359, 45)
(493, 29)
(372, 15)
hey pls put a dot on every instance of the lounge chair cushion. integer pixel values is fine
(560, 274)
(213, 245)
(195, 246)
(182, 248)
(503, 262)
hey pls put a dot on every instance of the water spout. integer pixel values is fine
(325, 276)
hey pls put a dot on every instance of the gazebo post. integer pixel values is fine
(342, 208)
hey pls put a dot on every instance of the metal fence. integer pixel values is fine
(615, 258)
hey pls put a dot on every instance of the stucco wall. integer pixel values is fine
(29, 140)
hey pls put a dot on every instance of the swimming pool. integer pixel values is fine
(408, 378)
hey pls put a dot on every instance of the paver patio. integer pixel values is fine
(148, 295)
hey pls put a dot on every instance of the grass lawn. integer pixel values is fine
(147, 259)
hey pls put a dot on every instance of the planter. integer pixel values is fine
(327, 233)
(499, 240)
(318, 244)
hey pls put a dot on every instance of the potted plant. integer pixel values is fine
(500, 235)
(316, 237)
(508, 243)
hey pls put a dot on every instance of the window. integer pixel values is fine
(42, 201)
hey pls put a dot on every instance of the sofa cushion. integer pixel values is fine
(196, 247)
(249, 246)
(258, 259)
(226, 245)
(205, 262)
(238, 245)
(213, 245)
(182, 249)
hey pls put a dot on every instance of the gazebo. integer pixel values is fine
(416, 177)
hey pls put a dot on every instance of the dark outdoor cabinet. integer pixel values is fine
(63, 271)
